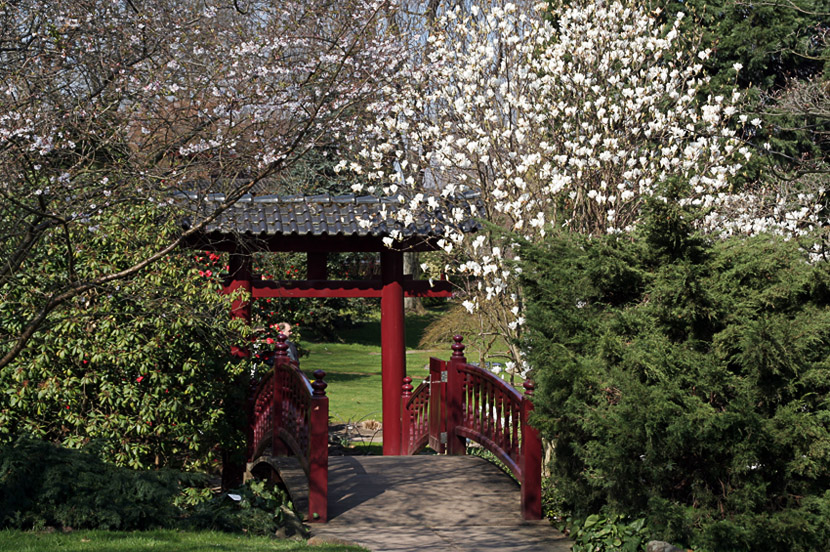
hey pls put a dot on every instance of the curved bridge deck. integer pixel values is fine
(423, 503)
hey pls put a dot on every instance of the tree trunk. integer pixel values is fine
(410, 266)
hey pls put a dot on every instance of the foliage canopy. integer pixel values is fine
(686, 381)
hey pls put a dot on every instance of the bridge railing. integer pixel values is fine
(291, 413)
(461, 401)
(423, 412)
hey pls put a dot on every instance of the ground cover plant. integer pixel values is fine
(686, 380)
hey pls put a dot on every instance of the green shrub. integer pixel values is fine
(45, 485)
(140, 366)
(686, 381)
(255, 508)
(608, 534)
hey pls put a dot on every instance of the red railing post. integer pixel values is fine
(531, 460)
(318, 476)
(278, 448)
(406, 417)
(438, 405)
(455, 398)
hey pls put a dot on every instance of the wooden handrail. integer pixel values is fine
(484, 408)
(414, 416)
(461, 401)
(292, 413)
(423, 412)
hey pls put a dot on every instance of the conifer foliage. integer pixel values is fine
(687, 381)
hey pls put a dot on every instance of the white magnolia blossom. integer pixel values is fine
(571, 125)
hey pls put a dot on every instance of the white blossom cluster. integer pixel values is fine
(571, 124)
(765, 210)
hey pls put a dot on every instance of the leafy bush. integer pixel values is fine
(255, 508)
(45, 485)
(141, 366)
(608, 534)
(686, 381)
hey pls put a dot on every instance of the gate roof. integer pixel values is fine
(323, 222)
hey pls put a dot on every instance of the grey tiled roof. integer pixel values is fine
(323, 215)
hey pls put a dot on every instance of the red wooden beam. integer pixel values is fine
(345, 288)
(216, 241)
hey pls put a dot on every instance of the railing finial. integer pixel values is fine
(318, 384)
(281, 346)
(406, 388)
(458, 349)
(529, 386)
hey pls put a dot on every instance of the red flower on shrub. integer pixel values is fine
(138, 379)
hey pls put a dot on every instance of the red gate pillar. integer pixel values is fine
(233, 461)
(240, 278)
(393, 348)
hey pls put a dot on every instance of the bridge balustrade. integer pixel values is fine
(461, 401)
(457, 402)
(423, 413)
(291, 413)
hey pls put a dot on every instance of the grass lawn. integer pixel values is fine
(155, 541)
(353, 366)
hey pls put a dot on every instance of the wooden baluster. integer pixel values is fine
(491, 410)
(455, 398)
(318, 476)
(516, 416)
(406, 416)
(478, 398)
(505, 422)
(497, 407)
(531, 460)
(437, 405)
(484, 386)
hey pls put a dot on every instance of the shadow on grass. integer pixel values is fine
(368, 333)
(343, 377)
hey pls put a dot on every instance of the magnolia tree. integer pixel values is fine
(558, 117)
(111, 105)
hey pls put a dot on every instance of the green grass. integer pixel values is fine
(155, 541)
(353, 366)
(353, 363)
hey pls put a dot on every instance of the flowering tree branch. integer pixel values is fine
(571, 123)
(107, 107)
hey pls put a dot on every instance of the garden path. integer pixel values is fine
(423, 503)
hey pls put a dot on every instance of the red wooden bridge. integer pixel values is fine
(457, 402)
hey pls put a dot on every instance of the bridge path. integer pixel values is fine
(423, 503)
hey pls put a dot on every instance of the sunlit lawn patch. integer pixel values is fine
(157, 541)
